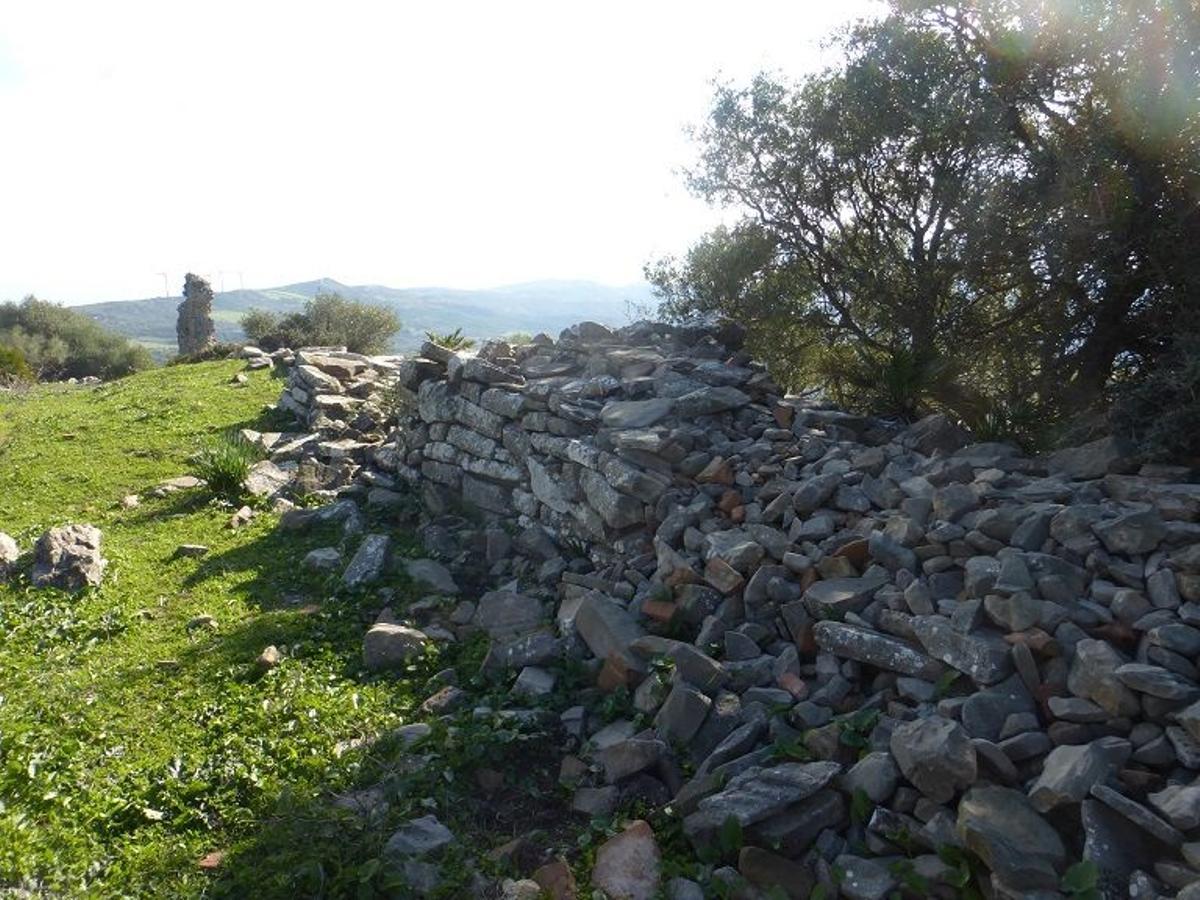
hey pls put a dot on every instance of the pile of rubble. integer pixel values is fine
(860, 648)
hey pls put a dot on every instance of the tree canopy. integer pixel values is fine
(326, 320)
(57, 342)
(990, 205)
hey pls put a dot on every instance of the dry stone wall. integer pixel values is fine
(864, 642)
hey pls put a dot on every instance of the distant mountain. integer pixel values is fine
(535, 306)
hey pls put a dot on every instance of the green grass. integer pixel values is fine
(131, 745)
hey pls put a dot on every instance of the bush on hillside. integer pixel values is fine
(1158, 410)
(327, 320)
(58, 343)
(13, 367)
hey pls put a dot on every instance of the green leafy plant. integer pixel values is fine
(861, 807)
(13, 367)
(1082, 881)
(224, 465)
(730, 837)
(945, 681)
(451, 340)
(855, 729)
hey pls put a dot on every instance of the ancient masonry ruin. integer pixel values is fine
(194, 326)
(954, 644)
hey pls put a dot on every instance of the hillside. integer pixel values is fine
(141, 754)
(531, 307)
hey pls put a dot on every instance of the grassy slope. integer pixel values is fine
(129, 747)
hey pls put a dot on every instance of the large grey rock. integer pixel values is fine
(876, 775)
(936, 755)
(617, 509)
(1138, 814)
(608, 630)
(984, 712)
(431, 574)
(682, 714)
(368, 562)
(863, 878)
(834, 597)
(1116, 848)
(755, 795)
(1094, 460)
(629, 865)
(506, 613)
(935, 434)
(418, 837)
(1070, 771)
(636, 413)
(891, 553)
(708, 401)
(1157, 682)
(983, 656)
(1093, 676)
(1180, 804)
(1002, 828)
(628, 757)
(875, 649)
(813, 493)
(1133, 533)
(9, 554)
(388, 646)
(265, 479)
(68, 557)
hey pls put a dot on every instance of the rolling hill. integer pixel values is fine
(531, 307)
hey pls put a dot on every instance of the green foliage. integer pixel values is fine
(451, 340)
(58, 343)
(327, 320)
(945, 682)
(855, 729)
(983, 207)
(1157, 409)
(224, 465)
(1082, 881)
(13, 367)
(861, 807)
(516, 338)
(730, 838)
(897, 382)
(967, 871)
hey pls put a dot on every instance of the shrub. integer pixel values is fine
(13, 367)
(219, 350)
(1158, 409)
(59, 343)
(451, 340)
(900, 383)
(225, 464)
(327, 320)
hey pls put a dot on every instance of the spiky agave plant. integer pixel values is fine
(451, 340)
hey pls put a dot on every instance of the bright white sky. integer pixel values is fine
(453, 143)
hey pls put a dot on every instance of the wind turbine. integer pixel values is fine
(166, 290)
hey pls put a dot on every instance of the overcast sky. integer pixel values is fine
(461, 144)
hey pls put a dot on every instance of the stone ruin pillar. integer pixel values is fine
(194, 327)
